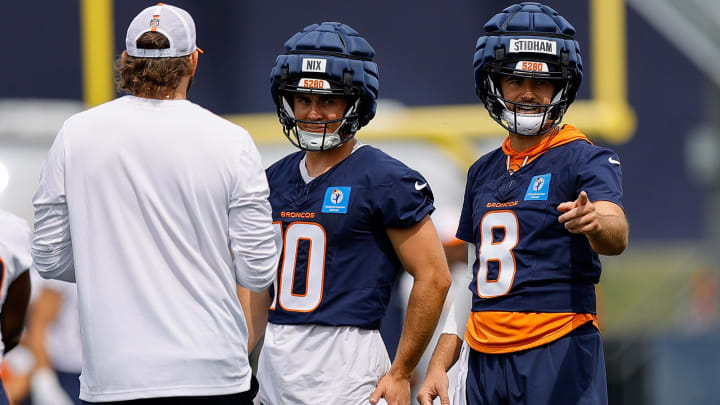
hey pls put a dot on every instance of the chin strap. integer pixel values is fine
(286, 106)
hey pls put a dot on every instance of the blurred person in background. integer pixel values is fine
(14, 283)
(538, 211)
(704, 305)
(157, 209)
(53, 336)
(44, 369)
(350, 217)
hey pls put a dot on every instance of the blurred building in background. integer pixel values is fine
(651, 92)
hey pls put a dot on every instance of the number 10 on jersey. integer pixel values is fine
(285, 296)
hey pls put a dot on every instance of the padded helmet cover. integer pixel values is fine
(527, 32)
(334, 52)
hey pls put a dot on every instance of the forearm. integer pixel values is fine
(449, 344)
(253, 243)
(35, 341)
(254, 239)
(43, 313)
(460, 303)
(255, 307)
(612, 237)
(446, 352)
(421, 254)
(52, 244)
(448, 347)
(424, 308)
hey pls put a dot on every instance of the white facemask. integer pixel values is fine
(314, 140)
(317, 141)
(525, 123)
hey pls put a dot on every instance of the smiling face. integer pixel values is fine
(526, 90)
(319, 108)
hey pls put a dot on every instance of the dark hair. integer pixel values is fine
(154, 77)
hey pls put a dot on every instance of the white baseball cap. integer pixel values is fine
(173, 22)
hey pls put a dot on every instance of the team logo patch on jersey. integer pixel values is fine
(314, 65)
(538, 188)
(336, 200)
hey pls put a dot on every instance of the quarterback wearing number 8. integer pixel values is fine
(537, 213)
(349, 216)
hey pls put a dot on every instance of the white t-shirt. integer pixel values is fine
(14, 253)
(141, 202)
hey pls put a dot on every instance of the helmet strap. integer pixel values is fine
(499, 56)
(350, 126)
(347, 83)
(288, 109)
(284, 74)
(564, 62)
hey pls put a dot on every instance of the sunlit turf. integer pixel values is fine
(657, 289)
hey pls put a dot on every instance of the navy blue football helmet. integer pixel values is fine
(527, 40)
(331, 59)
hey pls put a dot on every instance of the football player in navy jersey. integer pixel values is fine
(349, 217)
(537, 212)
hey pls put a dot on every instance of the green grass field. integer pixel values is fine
(658, 289)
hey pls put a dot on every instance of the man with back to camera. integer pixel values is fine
(147, 202)
(537, 212)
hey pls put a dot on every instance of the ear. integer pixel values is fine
(124, 56)
(194, 61)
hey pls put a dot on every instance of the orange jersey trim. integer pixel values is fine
(566, 134)
(6, 373)
(506, 332)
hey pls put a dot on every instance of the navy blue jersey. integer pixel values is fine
(338, 264)
(527, 260)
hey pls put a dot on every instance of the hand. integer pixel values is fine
(435, 385)
(580, 215)
(395, 390)
(46, 390)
